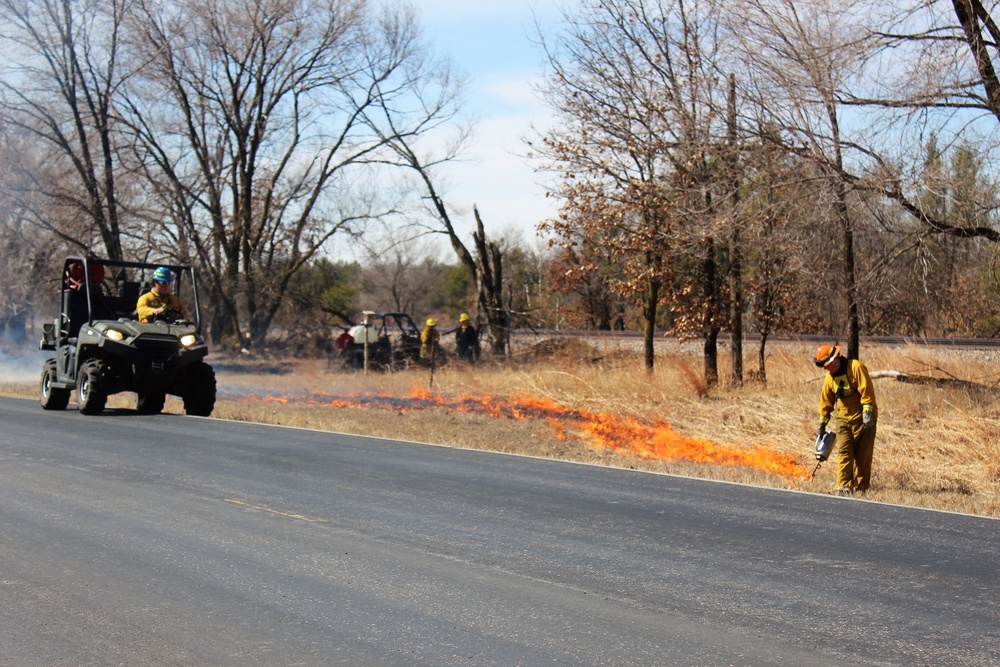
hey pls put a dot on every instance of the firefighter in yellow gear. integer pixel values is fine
(430, 343)
(159, 302)
(848, 389)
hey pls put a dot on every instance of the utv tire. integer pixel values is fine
(199, 392)
(50, 397)
(151, 403)
(91, 392)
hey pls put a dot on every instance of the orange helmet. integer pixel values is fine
(824, 353)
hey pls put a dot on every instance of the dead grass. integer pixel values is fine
(937, 447)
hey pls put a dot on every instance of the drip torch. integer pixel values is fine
(824, 445)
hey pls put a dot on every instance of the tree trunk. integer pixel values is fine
(711, 297)
(736, 314)
(488, 274)
(649, 324)
(850, 276)
(761, 370)
(735, 247)
(969, 14)
(711, 353)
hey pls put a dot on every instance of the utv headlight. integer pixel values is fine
(188, 340)
(114, 334)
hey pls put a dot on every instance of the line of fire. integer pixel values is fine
(654, 439)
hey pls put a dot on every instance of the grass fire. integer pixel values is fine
(655, 440)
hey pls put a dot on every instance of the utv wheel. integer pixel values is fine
(151, 403)
(91, 393)
(50, 397)
(199, 393)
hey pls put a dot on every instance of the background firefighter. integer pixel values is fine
(430, 344)
(848, 388)
(466, 340)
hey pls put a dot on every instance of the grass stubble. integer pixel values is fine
(938, 446)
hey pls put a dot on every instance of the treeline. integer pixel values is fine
(750, 165)
(326, 296)
(779, 164)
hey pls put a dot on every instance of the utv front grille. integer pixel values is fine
(157, 351)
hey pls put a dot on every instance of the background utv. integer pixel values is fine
(102, 349)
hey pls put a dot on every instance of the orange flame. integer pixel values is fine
(656, 440)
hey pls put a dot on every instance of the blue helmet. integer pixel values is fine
(163, 275)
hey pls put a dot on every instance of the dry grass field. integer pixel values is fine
(938, 444)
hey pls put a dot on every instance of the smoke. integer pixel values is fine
(21, 364)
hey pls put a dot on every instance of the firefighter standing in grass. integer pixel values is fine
(430, 343)
(848, 388)
(466, 340)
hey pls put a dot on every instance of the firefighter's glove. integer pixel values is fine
(868, 420)
(822, 429)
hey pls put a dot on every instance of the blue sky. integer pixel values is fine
(490, 42)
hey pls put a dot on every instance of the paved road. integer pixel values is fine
(169, 540)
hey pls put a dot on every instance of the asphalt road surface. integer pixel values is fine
(170, 540)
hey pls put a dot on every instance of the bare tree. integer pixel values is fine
(917, 70)
(940, 284)
(265, 151)
(59, 81)
(938, 77)
(801, 59)
(27, 261)
(638, 95)
(484, 261)
(786, 257)
(734, 168)
(400, 271)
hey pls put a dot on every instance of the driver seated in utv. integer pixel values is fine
(159, 303)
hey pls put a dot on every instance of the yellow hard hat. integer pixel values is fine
(431, 322)
(464, 317)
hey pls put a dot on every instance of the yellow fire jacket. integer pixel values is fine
(854, 389)
(430, 341)
(151, 300)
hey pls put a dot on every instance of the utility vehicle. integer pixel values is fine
(393, 343)
(101, 348)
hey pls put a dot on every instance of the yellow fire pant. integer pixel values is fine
(856, 447)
